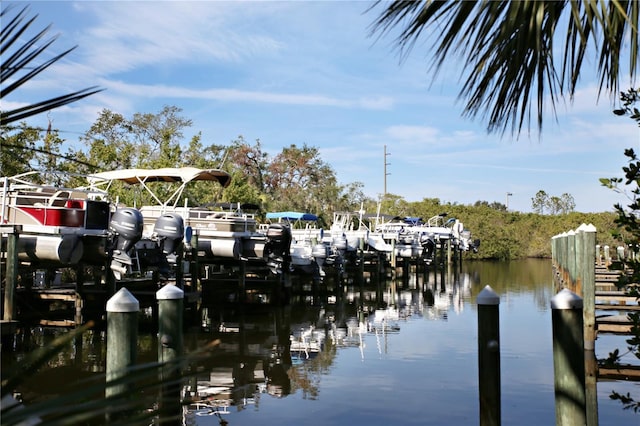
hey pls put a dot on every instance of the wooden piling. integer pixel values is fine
(195, 268)
(170, 343)
(591, 387)
(11, 262)
(122, 340)
(489, 357)
(586, 237)
(568, 358)
(571, 262)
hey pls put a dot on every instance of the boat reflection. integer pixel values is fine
(263, 349)
(276, 351)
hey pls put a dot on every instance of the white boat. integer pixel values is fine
(402, 237)
(349, 229)
(225, 232)
(311, 248)
(60, 226)
(439, 231)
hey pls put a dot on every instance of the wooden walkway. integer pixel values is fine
(612, 307)
(610, 299)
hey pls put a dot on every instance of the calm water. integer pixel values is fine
(377, 352)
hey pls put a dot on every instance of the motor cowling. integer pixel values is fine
(169, 228)
(279, 237)
(126, 224)
(278, 247)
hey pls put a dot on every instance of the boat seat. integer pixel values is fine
(59, 198)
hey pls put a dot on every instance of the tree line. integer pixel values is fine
(296, 178)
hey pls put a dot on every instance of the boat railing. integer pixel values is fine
(45, 205)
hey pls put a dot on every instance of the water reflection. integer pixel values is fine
(283, 350)
(411, 334)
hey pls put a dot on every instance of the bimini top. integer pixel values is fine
(169, 174)
(181, 175)
(291, 216)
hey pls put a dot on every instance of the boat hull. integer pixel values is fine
(66, 249)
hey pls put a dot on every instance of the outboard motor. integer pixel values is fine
(126, 226)
(320, 253)
(428, 243)
(169, 228)
(278, 247)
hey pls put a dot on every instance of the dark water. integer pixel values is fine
(374, 351)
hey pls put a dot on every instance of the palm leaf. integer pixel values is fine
(18, 65)
(508, 49)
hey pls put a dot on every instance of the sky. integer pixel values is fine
(311, 72)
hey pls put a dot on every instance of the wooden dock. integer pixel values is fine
(580, 267)
(613, 304)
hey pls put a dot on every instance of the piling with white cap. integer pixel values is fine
(122, 338)
(170, 348)
(568, 358)
(489, 356)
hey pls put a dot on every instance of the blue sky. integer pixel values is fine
(297, 72)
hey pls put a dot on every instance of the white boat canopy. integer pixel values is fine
(169, 174)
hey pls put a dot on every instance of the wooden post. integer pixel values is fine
(122, 341)
(11, 262)
(195, 273)
(393, 255)
(571, 261)
(79, 302)
(180, 266)
(242, 282)
(607, 256)
(563, 259)
(591, 387)
(170, 343)
(568, 358)
(435, 255)
(587, 235)
(361, 257)
(489, 356)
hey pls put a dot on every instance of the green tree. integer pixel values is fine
(247, 162)
(18, 149)
(145, 140)
(298, 179)
(567, 203)
(540, 202)
(509, 49)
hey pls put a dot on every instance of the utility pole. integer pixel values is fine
(385, 171)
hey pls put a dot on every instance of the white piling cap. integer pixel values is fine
(586, 228)
(566, 299)
(169, 292)
(488, 297)
(123, 301)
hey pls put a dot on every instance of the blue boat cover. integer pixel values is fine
(413, 220)
(291, 216)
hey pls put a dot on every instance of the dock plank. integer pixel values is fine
(623, 372)
(616, 324)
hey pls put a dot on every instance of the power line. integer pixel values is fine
(42, 151)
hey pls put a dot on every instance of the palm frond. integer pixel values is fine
(508, 50)
(18, 65)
